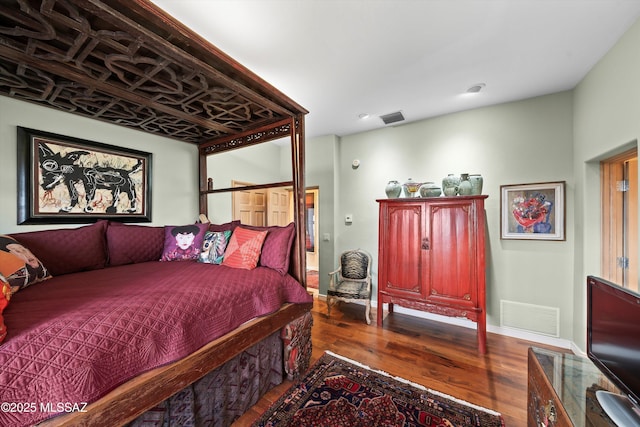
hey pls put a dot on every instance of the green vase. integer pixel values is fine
(393, 189)
(476, 183)
(465, 188)
(450, 185)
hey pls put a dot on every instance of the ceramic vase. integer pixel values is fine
(450, 185)
(410, 188)
(429, 189)
(393, 189)
(476, 183)
(465, 189)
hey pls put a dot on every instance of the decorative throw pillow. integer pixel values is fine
(131, 244)
(68, 250)
(19, 265)
(276, 250)
(183, 242)
(213, 246)
(5, 295)
(243, 250)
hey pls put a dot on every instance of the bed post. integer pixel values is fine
(298, 166)
(202, 168)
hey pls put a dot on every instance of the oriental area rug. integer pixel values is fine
(341, 392)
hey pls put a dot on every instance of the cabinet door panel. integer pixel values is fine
(404, 256)
(452, 254)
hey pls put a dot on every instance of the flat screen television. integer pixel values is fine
(613, 344)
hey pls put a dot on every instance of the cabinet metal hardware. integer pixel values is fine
(425, 243)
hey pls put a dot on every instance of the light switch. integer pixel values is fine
(326, 237)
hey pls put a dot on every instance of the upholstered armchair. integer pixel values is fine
(351, 282)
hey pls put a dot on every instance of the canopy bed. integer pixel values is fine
(129, 63)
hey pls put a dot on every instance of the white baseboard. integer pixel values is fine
(457, 321)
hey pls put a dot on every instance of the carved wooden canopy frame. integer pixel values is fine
(129, 63)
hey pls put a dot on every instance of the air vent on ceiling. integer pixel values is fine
(392, 118)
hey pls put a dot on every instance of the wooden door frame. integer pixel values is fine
(619, 228)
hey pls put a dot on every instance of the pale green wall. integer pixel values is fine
(175, 164)
(521, 142)
(320, 156)
(606, 121)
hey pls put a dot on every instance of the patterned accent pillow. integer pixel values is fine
(183, 242)
(19, 265)
(5, 295)
(213, 247)
(243, 250)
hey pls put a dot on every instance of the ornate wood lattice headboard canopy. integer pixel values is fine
(129, 63)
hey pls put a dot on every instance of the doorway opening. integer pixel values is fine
(262, 206)
(619, 183)
(312, 220)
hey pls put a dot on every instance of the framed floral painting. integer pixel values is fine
(533, 211)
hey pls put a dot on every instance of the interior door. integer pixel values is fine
(619, 184)
(278, 206)
(249, 206)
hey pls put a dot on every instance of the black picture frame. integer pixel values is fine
(62, 179)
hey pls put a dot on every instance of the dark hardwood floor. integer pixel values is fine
(437, 355)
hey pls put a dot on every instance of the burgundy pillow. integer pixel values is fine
(227, 226)
(68, 250)
(131, 244)
(276, 249)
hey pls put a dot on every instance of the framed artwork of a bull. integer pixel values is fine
(69, 180)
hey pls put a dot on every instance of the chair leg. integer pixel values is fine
(367, 313)
(328, 307)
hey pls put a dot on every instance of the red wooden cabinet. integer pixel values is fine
(431, 257)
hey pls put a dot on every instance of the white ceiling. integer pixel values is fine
(343, 58)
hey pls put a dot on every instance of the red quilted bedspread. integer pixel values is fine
(74, 338)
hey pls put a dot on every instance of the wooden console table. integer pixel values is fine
(561, 390)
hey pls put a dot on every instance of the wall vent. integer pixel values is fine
(529, 317)
(392, 118)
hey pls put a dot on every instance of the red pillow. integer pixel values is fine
(276, 250)
(131, 244)
(183, 242)
(243, 250)
(68, 250)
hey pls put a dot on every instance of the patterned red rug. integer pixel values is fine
(340, 392)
